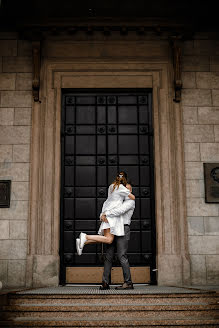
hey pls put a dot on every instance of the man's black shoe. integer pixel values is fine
(104, 286)
(125, 286)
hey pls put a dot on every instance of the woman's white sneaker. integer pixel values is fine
(83, 239)
(79, 250)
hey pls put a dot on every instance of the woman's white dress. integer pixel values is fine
(115, 198)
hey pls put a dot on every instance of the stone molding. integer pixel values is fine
(171, 226)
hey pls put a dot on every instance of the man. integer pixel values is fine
(121, 242)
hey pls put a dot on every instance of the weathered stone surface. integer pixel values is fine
(192, 152)
(206, 47)
(4, 229)
(212, 262)
(0, 64)
(4, 272)
(8, 47)
(188, 80)
(16, 273)
(17, 211)
(16, 99)
(195, 188)
(24, 81)
(6, 116)
(195, 226)
(7, 81)
(216, 133)
(14, 135)
(215, 97)
(45, 270)
(22, 116)
(190, 115)
(214, 63)
(188, 47)
(13, 249)
(5, 153)
(198, 269)
(24, 48)
(21, 153)
(203, 245)
(20, 190)
(198, 133)
(195, 63)
(207, 80)
(209, 152)
(194, 170)
(198, 207)
(14, 171)
(17, 64)
(208, 115)
(211, 225)
(196, 97)
(18, 229)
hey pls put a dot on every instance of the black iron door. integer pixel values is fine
(104, 132)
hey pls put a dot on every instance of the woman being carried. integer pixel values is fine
(116, 194)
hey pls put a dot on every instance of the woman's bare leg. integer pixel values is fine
(106, 239)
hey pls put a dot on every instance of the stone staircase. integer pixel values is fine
(199, 309)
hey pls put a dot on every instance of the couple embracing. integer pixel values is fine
(114, 230)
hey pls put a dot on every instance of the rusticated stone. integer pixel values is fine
(4, 272)
(190, 115)
(194, 170)
(215, 97)
(211, 225)
(4, 229)
(199, 133)
(17, 64)
(14, 135)
(16, 99)
(5, 153)
(198, 207)
(195, 188)
(216, 133)
(192, 152)
(24, 81)
(14, 171)
(8, 47)
(21, 153)
(195, 63)
(198, 269)
(188, 80)
(196, 97)
(208, 245)
(208, 115)
(20, 190)
(212, 263)
(209, 152)
(16, 273)
(22, 116)
(207, 80)
(18, 229)
(13, 249)
(18, 211)
(7, 81)
(195, 226)
(6, 116)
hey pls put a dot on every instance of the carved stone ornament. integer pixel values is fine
(176, 47)
(36, 69)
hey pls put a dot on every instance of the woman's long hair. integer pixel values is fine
(121, 178)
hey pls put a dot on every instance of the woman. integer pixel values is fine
(116, 194)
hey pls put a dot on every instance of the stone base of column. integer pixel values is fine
(42, 270)
(173, 270)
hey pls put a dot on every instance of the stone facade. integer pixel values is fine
(15, 129)
(200, 100)
(200, 108)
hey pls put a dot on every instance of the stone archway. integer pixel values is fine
(100, 72)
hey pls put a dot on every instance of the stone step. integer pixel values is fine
(112, 322)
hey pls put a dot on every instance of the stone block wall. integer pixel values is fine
(15, 129)
(200, 101)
